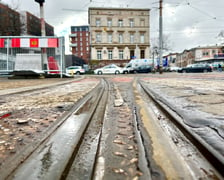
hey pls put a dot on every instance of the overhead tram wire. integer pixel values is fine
(203, 12)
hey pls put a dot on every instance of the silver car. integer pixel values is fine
(71, 70)
(109, 69)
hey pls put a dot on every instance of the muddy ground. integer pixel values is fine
(27, 117)
(42, 109)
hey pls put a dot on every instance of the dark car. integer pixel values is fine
(195, 68)
(142, 69)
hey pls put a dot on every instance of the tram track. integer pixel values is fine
(83, 161)
(49, 159)
(104, 136)
(208, 152)
(43, 131)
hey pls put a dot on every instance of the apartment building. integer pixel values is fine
(30, 25)
(13, 23)
(119, 33)
(9, 21)
(80, 42)
(206, 54)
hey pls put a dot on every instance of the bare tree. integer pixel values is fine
(220, 36)
(166, 46)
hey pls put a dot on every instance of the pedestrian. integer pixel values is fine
(219, 68)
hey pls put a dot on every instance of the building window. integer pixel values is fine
(109, 38)
(121, 54)
(120, 38)
(142, 22)
(131, 22)
(131, 38)
(98, 37)
(97, 22)
(142, 38)
(99, 54)
(110, 54)
(142, 54)
(120, 23)
(109, 23)
(205, 53)
(132, 54)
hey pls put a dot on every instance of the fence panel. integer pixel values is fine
(44, 54)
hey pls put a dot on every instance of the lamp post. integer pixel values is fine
(160, 35)
(154, 52)
(43, 33)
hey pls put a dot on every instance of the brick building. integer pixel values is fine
(10, 24)
(13, 23)
(80, 42)
(206, 54)
(31, 25)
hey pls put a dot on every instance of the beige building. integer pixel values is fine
(207, 54)
(119, 33)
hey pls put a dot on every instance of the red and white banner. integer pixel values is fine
(31, 42)
(2, 43)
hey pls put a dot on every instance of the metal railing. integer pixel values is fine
(44, 54)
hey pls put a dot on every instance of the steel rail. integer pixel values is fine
(212, 156)
(87, 146)
(21, 166)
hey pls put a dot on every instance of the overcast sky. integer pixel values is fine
(186, 23)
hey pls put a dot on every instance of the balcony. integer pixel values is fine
(72, 35)
(73, 45)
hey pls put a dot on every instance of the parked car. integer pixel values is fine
(195, 68)
(109, 69)
(174, 68)
(141, 69)
(71, 70)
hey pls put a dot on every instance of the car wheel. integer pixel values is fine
(205, 70)
(184, 71)
(135, 72)
(100, 72)
(117, 72)
(78, 73)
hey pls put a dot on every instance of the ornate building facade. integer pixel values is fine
(119, 33)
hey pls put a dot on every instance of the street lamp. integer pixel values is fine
(43, 33)
(160, 35)
(41, 2)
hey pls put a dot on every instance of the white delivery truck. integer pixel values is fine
(136, 63)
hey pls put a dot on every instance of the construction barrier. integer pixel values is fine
(31, 53)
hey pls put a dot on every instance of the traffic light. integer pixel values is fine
(40, 1)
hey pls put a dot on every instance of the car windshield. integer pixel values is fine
(74, 67)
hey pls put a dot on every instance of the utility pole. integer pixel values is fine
(160, 36)
(43, 33)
